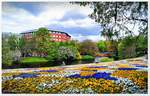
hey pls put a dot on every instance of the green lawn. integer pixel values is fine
(106, 59)
(87, 57)
(33, 59)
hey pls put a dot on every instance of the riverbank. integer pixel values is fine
(81, 65)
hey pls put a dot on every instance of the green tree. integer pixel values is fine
(121, 50)
(127, 47)
(118, 19)
(6, 52)
(13, 41)
(42, 39)
(73, 45)
(141, 45)
(114, 17)
(102, 46)
(87, 47)
(63, 50)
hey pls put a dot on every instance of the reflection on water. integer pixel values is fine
(48, 64)
(81, 62)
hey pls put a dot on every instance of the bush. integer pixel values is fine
(87, 57)
(106, 59)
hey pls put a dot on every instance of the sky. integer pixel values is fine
(73, 19)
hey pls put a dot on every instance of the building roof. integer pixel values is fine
(31, 31)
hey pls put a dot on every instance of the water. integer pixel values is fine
(47, 64)
(81, 62)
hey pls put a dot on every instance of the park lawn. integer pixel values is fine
(106, 59)
(33, 60)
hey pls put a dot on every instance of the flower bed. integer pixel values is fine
(94, 79)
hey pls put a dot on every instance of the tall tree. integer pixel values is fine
(42, 39)
(6, 52)
(119, 19)
(13, 41)
(102, 46)
(87, 47)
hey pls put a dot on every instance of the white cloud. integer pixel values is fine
(84, 23)
(91, 37)
(18, 20)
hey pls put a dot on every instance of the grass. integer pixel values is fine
(106, 59)
(87, 57)
(33, 60)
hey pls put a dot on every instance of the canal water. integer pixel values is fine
(47, 64)
(82, 62)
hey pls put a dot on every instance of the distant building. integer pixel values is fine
(57, 36)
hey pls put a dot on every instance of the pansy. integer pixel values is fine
(48, 71)
(97, 78)
(127, 68)
(26, 75)
(87, 73)
(124, 66)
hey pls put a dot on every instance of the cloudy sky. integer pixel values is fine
(20, 17)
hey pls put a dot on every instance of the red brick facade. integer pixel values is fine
(59, 37)
(55, 35)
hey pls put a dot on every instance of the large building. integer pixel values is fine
(57, 36)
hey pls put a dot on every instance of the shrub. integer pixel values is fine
(87, 57)
(106, 59)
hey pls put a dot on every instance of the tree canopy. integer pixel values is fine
(119, 19)
(88, 47)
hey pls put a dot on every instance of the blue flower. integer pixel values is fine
(26, 75)
(141, 66)
(98, 75)
(127, 68)
(48, 71)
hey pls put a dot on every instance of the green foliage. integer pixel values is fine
(42, 40)
(142, 45)
(87, 47)
(78, 56)
(10, 49)
(114, 16)
(62, 51)
(132, 46)
(121, 50)
(102, 46)
(13, 41)
(87, 57)
(127, 47)
(21, 43)
(6, 54)
(106, 59)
